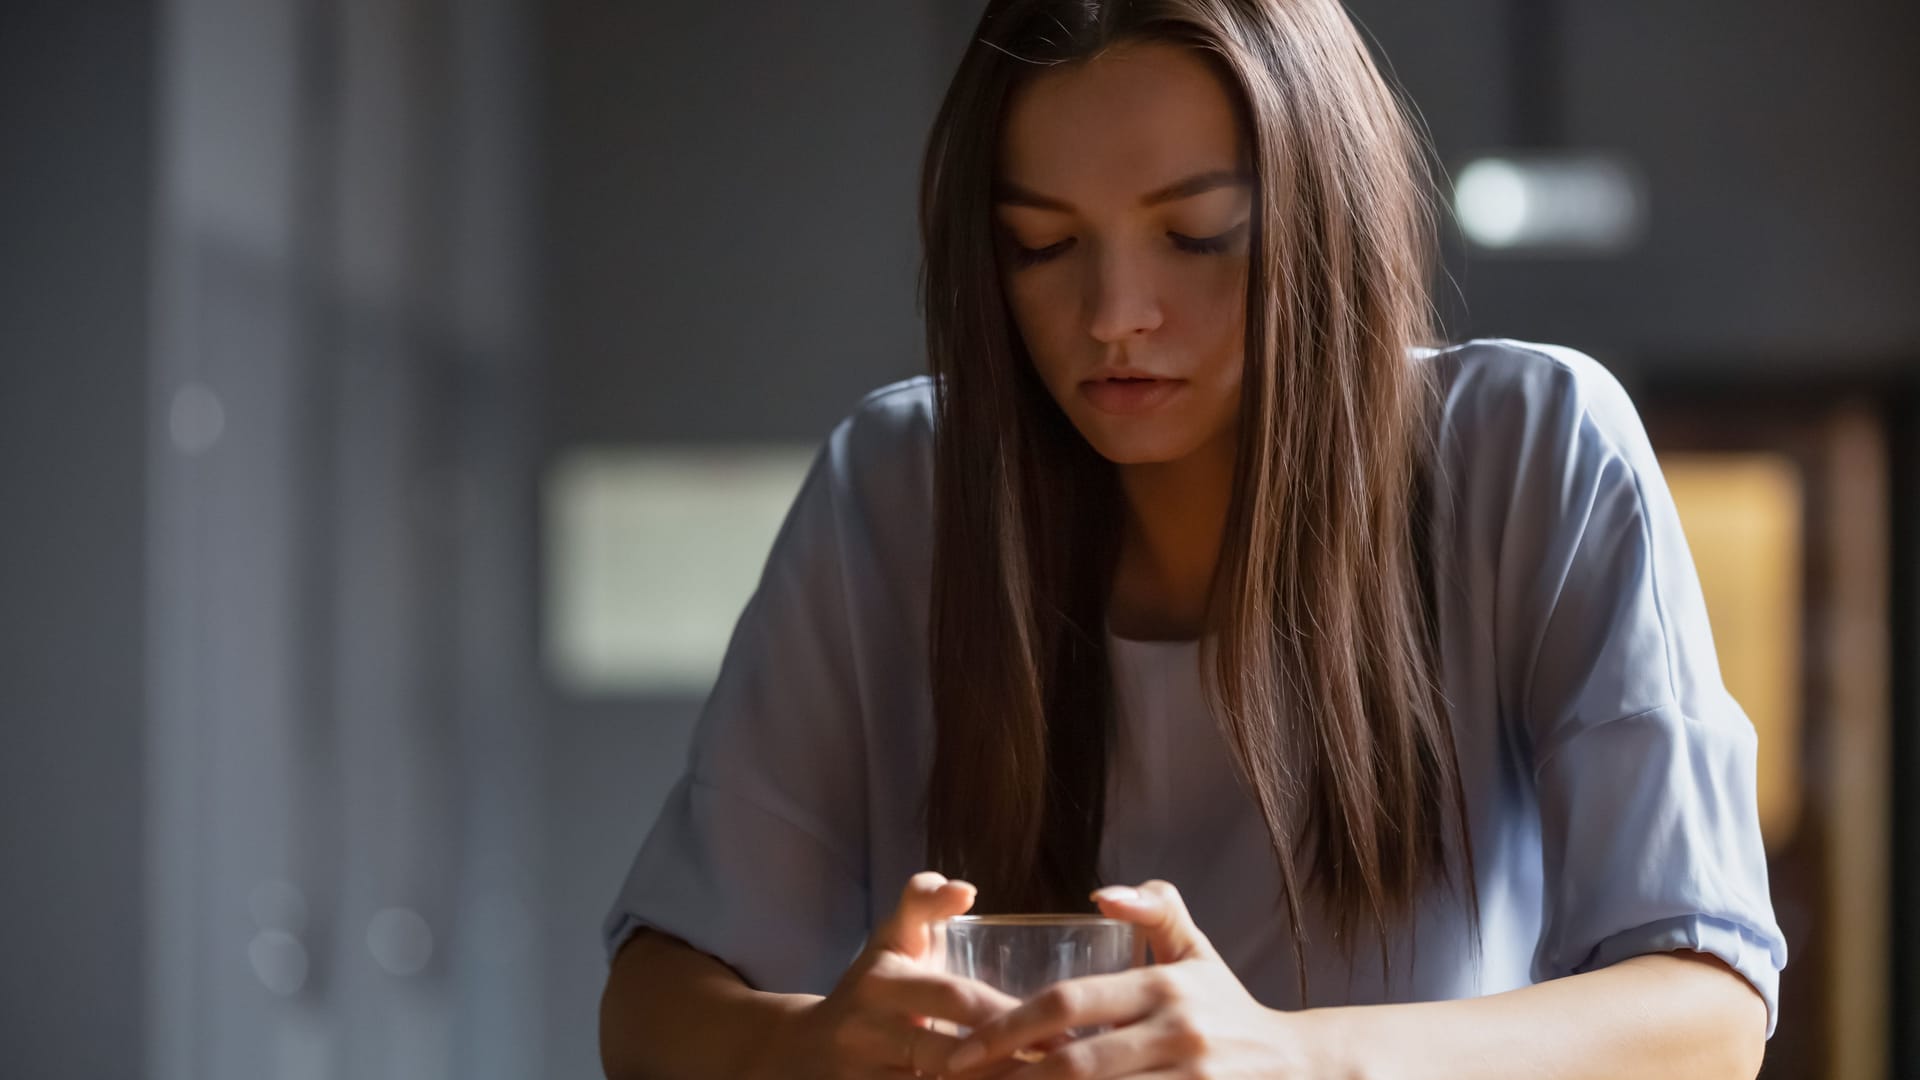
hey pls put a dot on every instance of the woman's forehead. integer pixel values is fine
(1110, 130)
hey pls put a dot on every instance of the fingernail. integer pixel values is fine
(966, 1057)
(1119, 894)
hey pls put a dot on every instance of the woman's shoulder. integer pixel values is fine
(883, 447)
(897, 413)
(873, 479)
(1502, 397)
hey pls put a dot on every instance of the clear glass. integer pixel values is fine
(1021, 955)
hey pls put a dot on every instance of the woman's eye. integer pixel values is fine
(1026, 256)
(1023, 256)
(1209, 245)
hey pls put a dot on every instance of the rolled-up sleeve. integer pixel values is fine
(758, 856)
(1644, 765)
(1648, 847)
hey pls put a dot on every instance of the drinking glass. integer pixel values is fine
(1021, 955)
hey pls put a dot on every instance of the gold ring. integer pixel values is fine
(913, 1044)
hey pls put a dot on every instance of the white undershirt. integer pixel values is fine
(1173, 765)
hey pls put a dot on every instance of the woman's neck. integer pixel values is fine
(1176, 513)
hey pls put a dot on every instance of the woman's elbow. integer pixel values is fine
(1744, 1023)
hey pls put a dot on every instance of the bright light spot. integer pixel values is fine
(277, 905)
(400, 940)
(1551, 203)
(279, 961)
(196, 419)
(651, 556)
(1492, 202)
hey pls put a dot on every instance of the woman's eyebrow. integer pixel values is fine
(1008, 193)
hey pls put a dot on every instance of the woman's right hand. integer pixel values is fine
(875, 1023)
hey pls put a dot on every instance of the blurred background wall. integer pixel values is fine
(308, 306)
(75, 201)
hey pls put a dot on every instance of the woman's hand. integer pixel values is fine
(1185, 1015)
(875, 1021)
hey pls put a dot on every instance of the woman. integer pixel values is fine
(1194, 564)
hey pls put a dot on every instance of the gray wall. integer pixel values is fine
(344, 799)
(729, 212)
(729, 253)
(76, 125)
(293, 650)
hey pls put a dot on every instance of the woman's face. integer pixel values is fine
(1123, 208)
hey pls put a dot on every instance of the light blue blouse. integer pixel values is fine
(1609, 776)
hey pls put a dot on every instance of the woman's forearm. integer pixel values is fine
(670, 1010)
(1666, 1015)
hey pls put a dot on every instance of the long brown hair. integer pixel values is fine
(1324, 670)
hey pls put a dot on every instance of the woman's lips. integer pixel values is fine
(1127, 397)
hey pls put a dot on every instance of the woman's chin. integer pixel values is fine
(1137, 448)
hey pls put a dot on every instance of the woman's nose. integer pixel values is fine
(1124, 301)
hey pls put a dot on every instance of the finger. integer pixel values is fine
(894, 1044)
(1095, 1000)
(1127, 1052)
(927, 1048)
(997, 1070)
(1156, 907)
(897, 988)
(928, 898)
(993, 1070)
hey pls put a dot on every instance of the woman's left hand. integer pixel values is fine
(1185, 1015)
